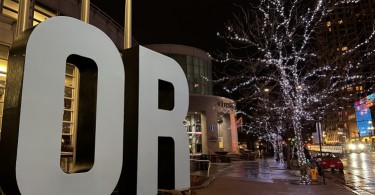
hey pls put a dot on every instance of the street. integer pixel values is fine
(359, 172)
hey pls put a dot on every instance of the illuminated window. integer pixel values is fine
(358, 88)
(193, 127)
(328, 23)
(69, 117)
(344, 48)
(340, 22)
(10, 9)
(4, 50)
(349, 89)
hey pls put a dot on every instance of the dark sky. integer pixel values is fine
(192, 22)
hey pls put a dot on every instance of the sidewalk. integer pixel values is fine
(263, 177)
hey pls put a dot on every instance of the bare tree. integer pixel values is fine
(278, 62)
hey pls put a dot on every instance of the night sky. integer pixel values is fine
(194, 22)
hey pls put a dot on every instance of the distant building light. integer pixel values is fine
(340, 21)
(344, 48)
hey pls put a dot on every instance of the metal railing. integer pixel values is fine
(333, 149)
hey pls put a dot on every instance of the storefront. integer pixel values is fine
(211, 125)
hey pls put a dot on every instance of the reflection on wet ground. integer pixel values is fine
(254, 171)
(359, 173)
(265, 176)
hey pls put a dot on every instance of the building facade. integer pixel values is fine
(210, 122)
(345, 27)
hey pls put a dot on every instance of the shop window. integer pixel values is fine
(193, 126)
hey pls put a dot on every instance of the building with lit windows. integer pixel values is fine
(350, 22)
(210, 121)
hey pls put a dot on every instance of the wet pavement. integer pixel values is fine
(263, 176)
(359, 173)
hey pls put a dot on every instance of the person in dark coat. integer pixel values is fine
(307, 154)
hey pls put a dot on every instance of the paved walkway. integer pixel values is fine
(263, 177)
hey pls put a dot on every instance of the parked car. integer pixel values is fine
(327, 160)
(356, 147)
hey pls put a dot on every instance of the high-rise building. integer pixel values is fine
(346, 26)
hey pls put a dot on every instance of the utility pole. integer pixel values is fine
(319, 129)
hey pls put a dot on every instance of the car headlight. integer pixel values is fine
(361, 146)
(352, 146)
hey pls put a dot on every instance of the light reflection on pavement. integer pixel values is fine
(359, 173)
(255, 171)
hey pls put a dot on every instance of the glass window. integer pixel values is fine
(201, 72)
(196, 70)
(41, 13)
(4, 51)
(193, 124)
(189, 64)
(195, 61)
(189, 60)
(10, 8)
(69, 117)
(205, 68)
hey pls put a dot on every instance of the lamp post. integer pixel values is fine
(319, 129)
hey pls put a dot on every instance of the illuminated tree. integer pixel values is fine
(280, 67)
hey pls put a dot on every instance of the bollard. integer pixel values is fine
(314, 175)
